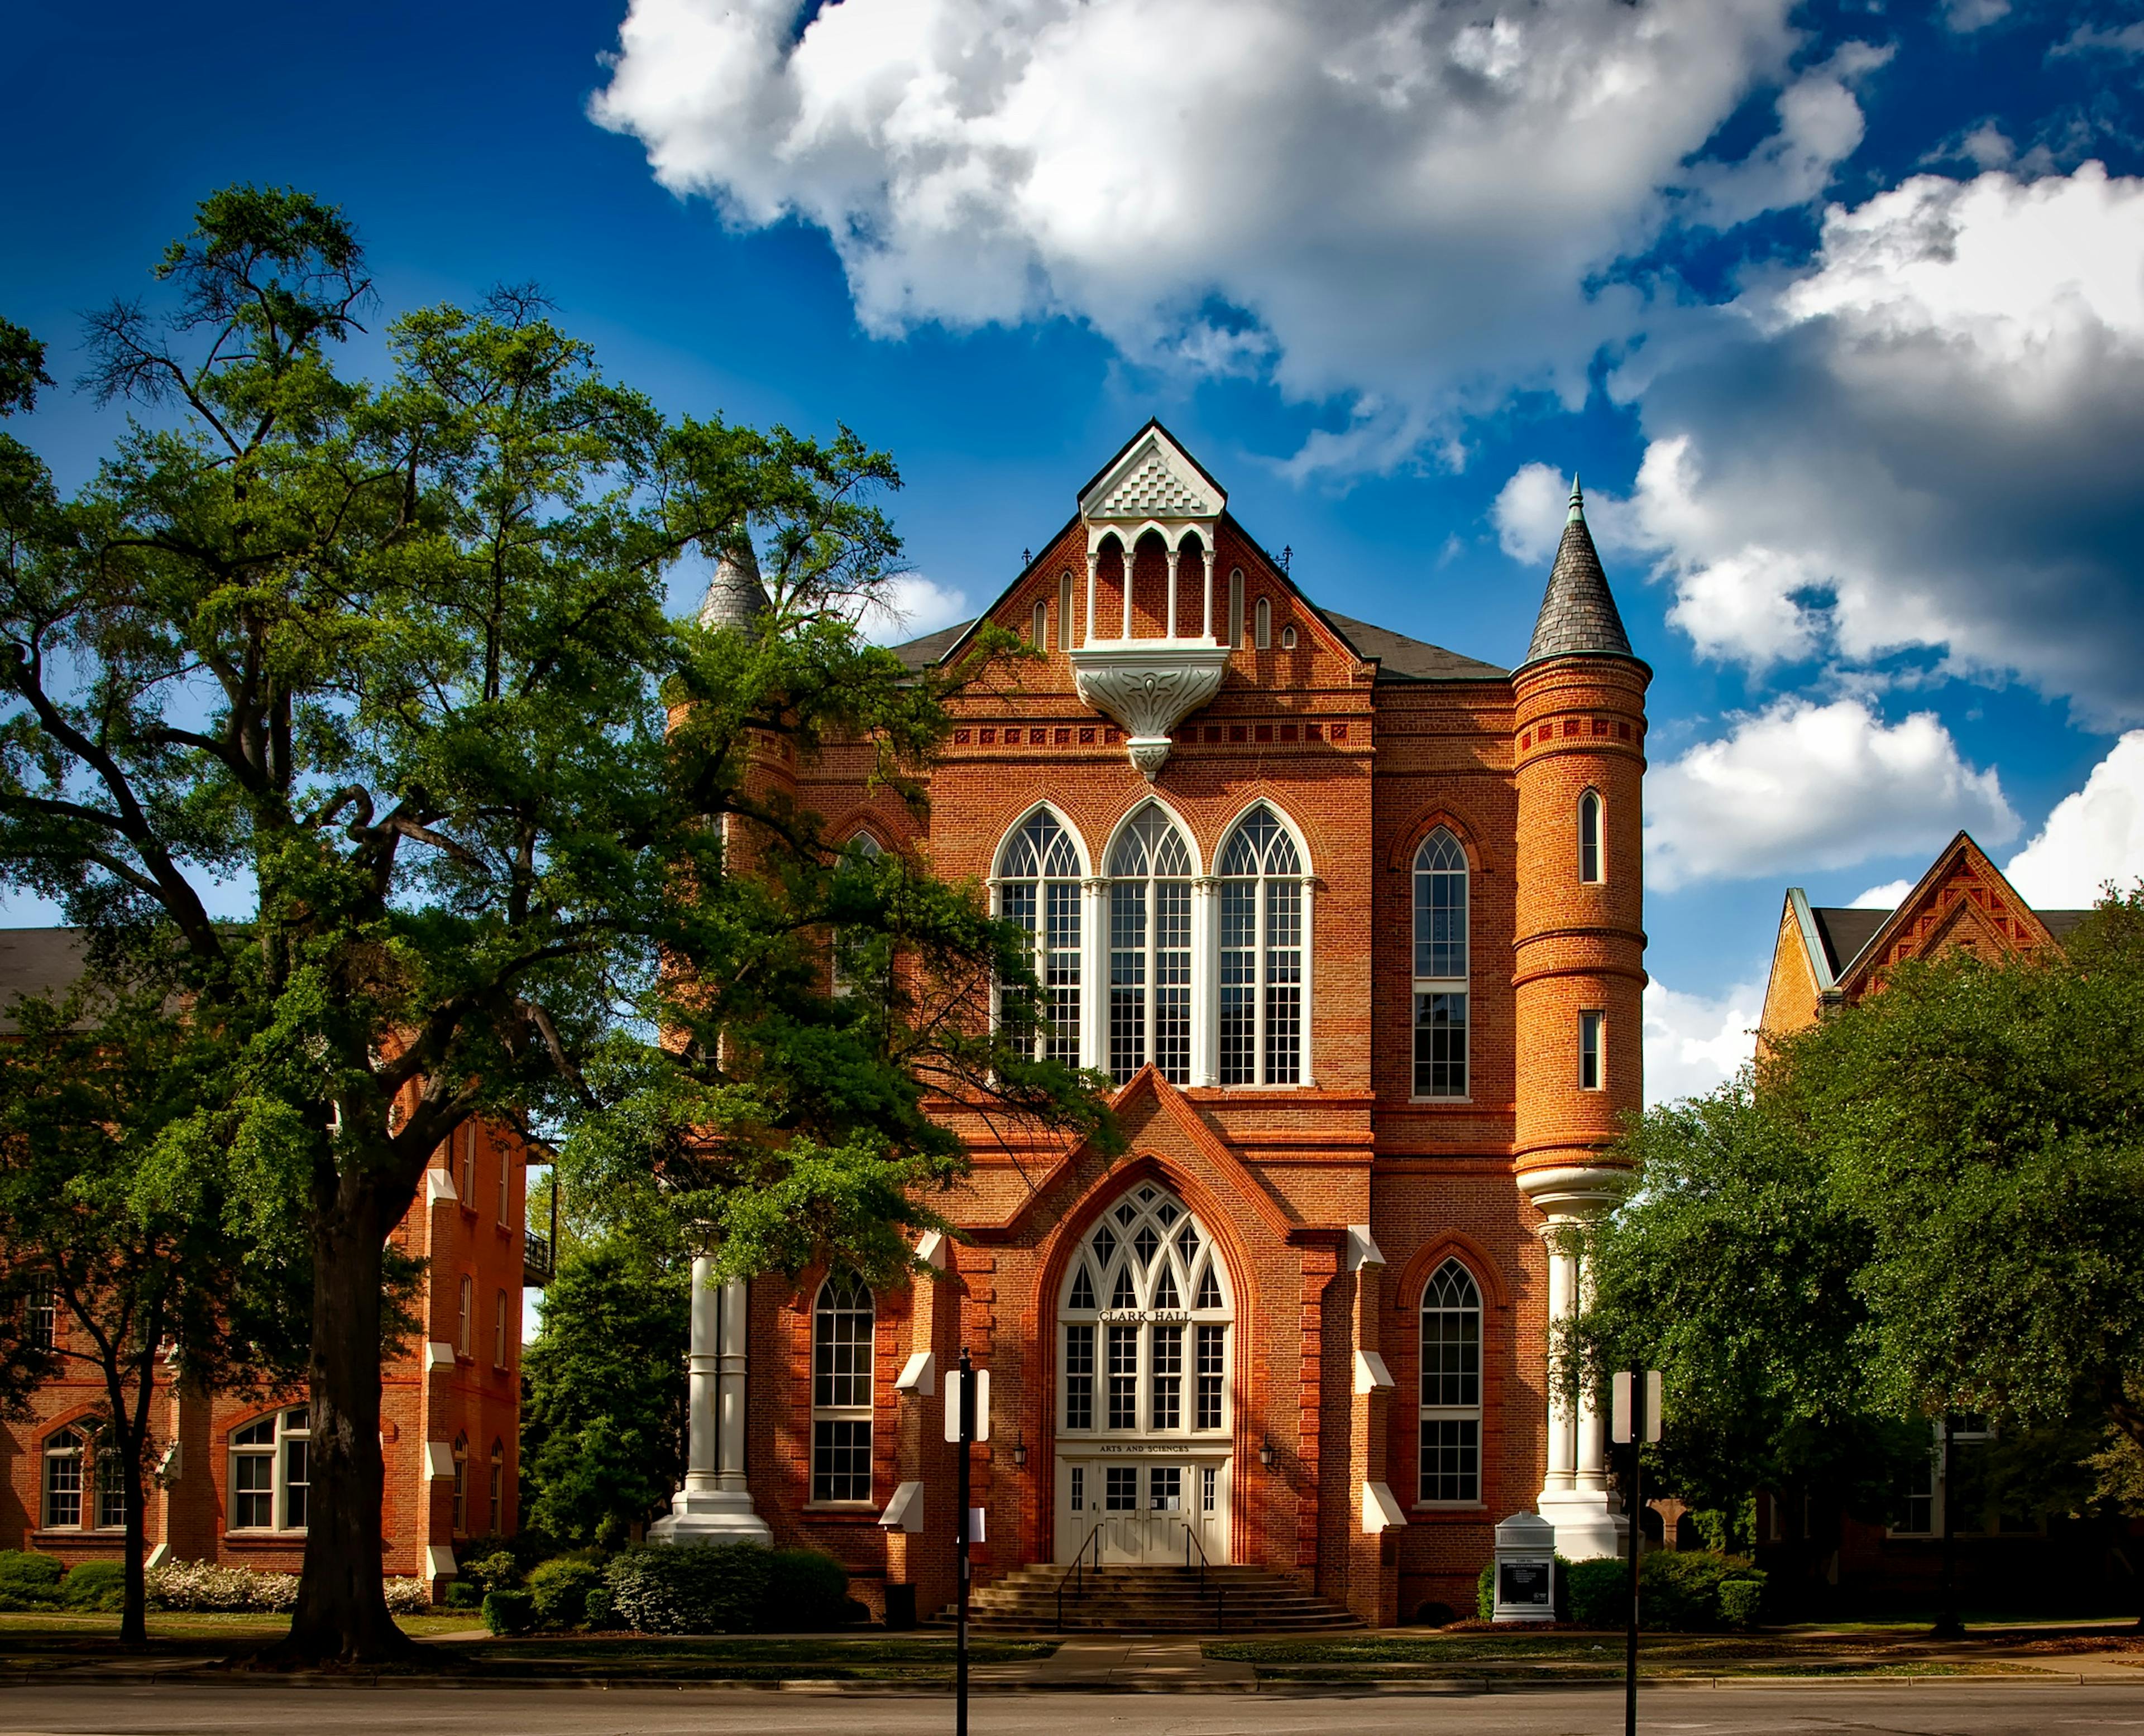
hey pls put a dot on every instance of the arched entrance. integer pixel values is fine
(1146, 1365)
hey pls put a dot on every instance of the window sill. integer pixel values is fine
(1444, 1102)
(1450, 1507)
(841, 1509)
(265, 1538)
(57, 1535)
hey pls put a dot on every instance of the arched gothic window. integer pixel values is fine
(841, 1377)
(271, 1471)
(1150, 949)
(1591, 867)
(461, 1486)
(1440, 967)
(862, 850)
(1154, 1360)
(1039, 888)
(1452, 1385)
(1262, 634)
(1039, 636)
(1261, 953)
(497, 1487)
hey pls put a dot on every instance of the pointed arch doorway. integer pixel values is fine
(1146, 1331)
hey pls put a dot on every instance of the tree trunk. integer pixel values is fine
(134, 1615)
(342, 1613)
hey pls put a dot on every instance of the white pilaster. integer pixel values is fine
(1206, 623)
(1128, 593)
(714, 1506)
(1574, 1495)
(1174, 554)
(1094, 972)
(1309, 952)
(1205, 982)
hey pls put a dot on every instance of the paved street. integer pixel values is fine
(1921, 1709)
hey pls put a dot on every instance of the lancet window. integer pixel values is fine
(1039, 888)
(1451, 1385)
(1261, 953)
(1150, 949)
(842, 1373)
(1440, 967)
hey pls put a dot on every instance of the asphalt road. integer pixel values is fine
(1989, 1710)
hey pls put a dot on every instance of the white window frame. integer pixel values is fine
(1150, 840)
(43, 1306)
(1592, 1048)
(843, 1396)
(866, 844)
(1059, 874)
(1592, 838)
(1109, 1247)
(1433, 857)
(505, 1179)
(498, 1334)
(466, 1317)
(68, 1460)
(1285, 846)
(496, 1491)
(1235, 634)
(466, 1181)
(1262, 631)
(1456, 1394)
(289, 1439)
(459, 1517)
(1038, 627)
(1064, 640)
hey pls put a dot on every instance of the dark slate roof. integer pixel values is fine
(921, 653)
(2060, 923)
(1400, 658)
(735, 596)
(1578, 613)
(36, 961)
(1844, 931)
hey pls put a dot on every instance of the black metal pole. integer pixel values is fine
(1637, 1550)
(1948, 1625)
(961, 1495)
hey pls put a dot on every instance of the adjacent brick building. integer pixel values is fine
(232, 1486)
(1355, 922)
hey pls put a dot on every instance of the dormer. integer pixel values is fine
(1150, 517)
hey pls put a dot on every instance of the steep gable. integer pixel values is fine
(1962, 901)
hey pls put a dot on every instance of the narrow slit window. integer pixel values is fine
(1041, 633)
(1591, 1035)
(1063, 610)
(1589, 838)
(1263, 636)
(1235, 634)
(1450, 1468)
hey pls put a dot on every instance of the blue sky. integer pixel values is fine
(1839, 310)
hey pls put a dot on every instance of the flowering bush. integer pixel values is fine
(204, 1585)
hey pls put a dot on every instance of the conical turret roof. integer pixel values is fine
(735, 596)
(1578, 613)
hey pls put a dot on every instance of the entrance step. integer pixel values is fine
(1148, 1601)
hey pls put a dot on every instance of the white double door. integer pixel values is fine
(1144, 1509)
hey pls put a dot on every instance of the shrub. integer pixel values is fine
(508, 1612)
(1740, 1601)
(717, 1588)
(461, 1594)
(95, 1585)
(30, 1581)
(204, 1585)
(407, 1596)
(1600, 1591)
(497, 1571)
(805, 1591)
(1682, 1592)
(560, 1589)
(600, 1609)
(1485, 1593)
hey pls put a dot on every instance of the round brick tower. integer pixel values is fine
(1579, 747)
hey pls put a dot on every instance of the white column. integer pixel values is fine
(1591, 1475)
(1575, 1495)
(1206, 624)
(1562, 1436)
(1094, 972)
(1205, 982)
(1175, 555)
(1087, 626)
(1304, 1068)
(714, 1505)
(1128, 588)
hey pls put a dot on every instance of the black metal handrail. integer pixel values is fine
(1220, 1591)
(1076, 1575)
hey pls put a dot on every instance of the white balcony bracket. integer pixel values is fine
(1149, 686)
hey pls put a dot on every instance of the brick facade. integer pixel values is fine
(1362, 753)
(443, 1387)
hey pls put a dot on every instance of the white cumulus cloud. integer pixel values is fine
(1403, 207)
(911, 606)
(2094, 836)
(1800, 786)
(1889, 896)
(1694, 1042)
(1927, 440)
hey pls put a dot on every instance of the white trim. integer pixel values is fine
(437, 1355)
(1362, 1249)
(1380, 1510)
(439, 1462)
(440, 1558)
(1287, 824)
(1139, 804)
(439, 1186)
(905, 1510)
(1064, 825)
(1371, 1373)
(919, 1375)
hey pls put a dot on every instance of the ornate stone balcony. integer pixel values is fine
(1149, 686)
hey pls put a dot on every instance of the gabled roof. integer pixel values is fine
(1153, 476)
(1844, 929)
(36, 961)
(1400, 658)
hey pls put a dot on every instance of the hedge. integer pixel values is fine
(727, 1588)
(1685, 1591)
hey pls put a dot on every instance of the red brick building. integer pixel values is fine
(232, 1487)
(1355, 923)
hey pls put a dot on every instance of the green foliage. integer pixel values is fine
(1931, 1200)
(508, 1612)
(561, 1587)
(22, 369)
(94, 1585)
(499, 1571)
(33, 1579)
(461, 1594)
(395, 656)
(599, 1610)
(602, 1425)
(1599, 1591)
(1485, 1593)
(1741, 1602)
(719, 1588)
(806, 1591)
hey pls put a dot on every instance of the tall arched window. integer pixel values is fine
(841, 1373)
(461, 1486)
(1063, 611)
(1150, 949)
(1039, 888)
(1234, 634)
(1440, 967)
(67, 1458)
(497, 1487)
(851, 948)
(1040, 634)
(1591, 867)
(1261, 954)
(1452, 1385)
(1262, 634)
